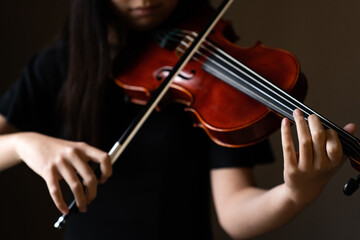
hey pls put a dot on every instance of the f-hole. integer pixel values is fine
(163, 72)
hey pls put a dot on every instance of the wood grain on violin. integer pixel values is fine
(207, 85)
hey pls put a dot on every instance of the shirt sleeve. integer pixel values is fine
(222, 157)
(30, 104)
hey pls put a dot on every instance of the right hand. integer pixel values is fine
(55, 159)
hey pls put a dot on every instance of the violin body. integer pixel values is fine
(229, 117)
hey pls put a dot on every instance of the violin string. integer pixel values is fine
(352, 146)
(221, 56)
(302, 106)
(203, 55)
(345, 139)
(212, 54)
(345, 136)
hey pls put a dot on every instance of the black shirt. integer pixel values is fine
(160, 184)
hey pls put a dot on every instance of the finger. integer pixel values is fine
(100, 157)
(318, 137)
(70, 177)
(305, 143)
(80, 164)
(53, 185)
(350, 128)
(333, 146)
(290, 158)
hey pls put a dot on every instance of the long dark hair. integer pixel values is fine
(90, 65)
(89, 62)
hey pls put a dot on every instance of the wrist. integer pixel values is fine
(9, 155)
(295, 199)
(17, 142)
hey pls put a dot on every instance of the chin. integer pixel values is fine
(145, 24)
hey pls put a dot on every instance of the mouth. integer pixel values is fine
(145, 11)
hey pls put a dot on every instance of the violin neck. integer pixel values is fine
(237, 75)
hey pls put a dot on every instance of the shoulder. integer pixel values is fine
(47, 70)
(34, 95)
(51, 60)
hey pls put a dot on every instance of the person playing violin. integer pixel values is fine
(66, 111)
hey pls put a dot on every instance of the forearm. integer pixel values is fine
(245, 211)
(8, 154)
(254, 211)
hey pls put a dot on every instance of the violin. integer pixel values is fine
(210, 82)
(237, 95)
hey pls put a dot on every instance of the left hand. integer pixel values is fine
(320, 156)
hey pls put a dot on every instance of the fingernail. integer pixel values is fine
(83, 210)
(65, 211)
(297, 112)
(103, 180)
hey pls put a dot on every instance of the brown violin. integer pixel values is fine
(209, 84)
(235, 94)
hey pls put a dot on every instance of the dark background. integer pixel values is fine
(324, 36)
(26, 209)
